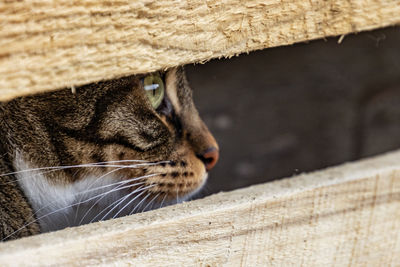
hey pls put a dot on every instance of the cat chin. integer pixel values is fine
(197, 190)
(186, 197)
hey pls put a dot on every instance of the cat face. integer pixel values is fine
(149, 141)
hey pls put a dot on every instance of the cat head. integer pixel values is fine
(144, 129)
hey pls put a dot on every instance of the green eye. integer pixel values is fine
(154, 87)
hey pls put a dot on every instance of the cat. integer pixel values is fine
(104, 150)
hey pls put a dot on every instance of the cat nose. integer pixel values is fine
(210, 157)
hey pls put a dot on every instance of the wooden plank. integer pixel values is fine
(343, 216)
(49, 44)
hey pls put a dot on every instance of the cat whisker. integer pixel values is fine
(148, 204)
(116, 189)
(163, 201)
(54, 170)
(139, 204)
(69, 206)
(91, 184)
(105, 186)
(120, 201)
(108, 173)
(132, 201)
(116, 204)
(95, 164)
(94, 197)
(98, 188)
(119, 185)
(88, 165)
(124, 181)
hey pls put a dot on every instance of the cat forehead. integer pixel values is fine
(92, 98)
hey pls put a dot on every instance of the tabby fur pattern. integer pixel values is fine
(69, 158)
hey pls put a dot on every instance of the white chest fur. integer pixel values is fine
(60, 206)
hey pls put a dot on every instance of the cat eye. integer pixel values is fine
(154, 86)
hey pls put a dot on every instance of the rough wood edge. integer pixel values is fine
(343, 215)
(46, 45)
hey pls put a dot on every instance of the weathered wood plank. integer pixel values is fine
(49, 44)
(343, 216)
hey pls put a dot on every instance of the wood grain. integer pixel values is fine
(343, 216)
(50, 44)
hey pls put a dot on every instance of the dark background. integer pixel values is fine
(283, 111)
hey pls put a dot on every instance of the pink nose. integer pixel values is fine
(210, 157)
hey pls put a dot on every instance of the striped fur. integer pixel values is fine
(111, 122)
